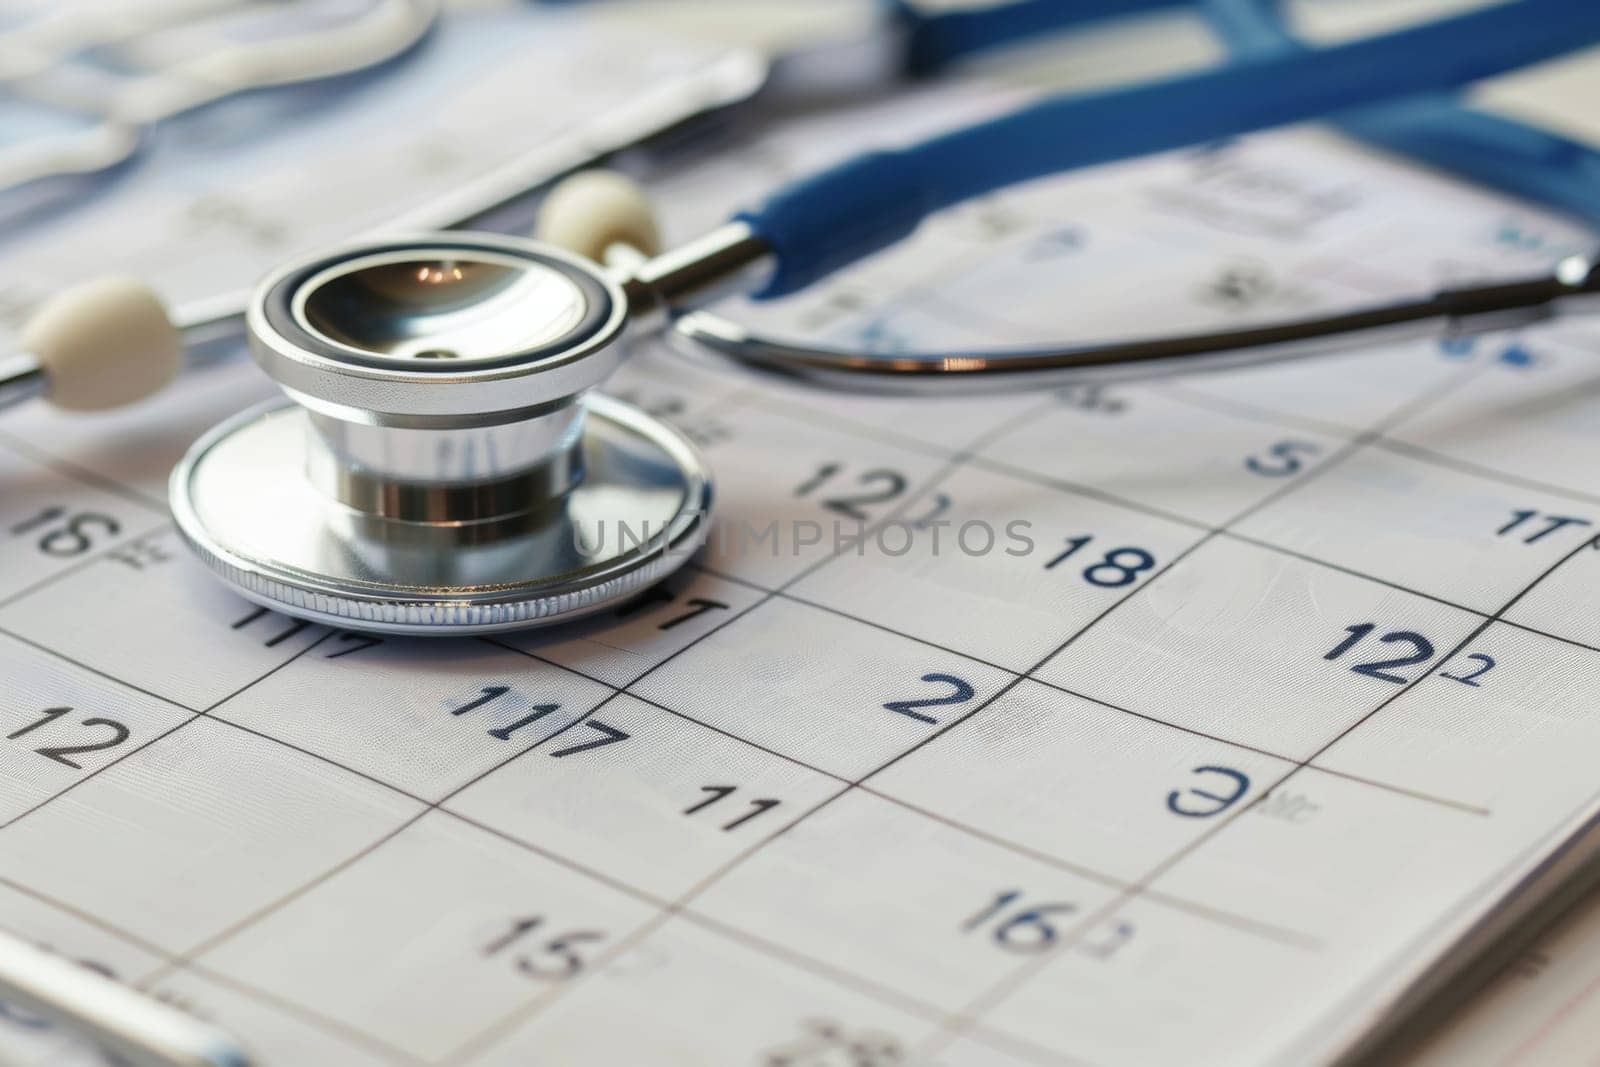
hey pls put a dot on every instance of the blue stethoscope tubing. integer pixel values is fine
(1401, 79)
(1437, 129)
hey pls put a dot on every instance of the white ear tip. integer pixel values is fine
(104, 344)
(595, 209)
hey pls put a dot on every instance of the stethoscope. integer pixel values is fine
(443, 463)
(117, 122)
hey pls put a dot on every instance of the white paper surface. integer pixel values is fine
(1105, 799)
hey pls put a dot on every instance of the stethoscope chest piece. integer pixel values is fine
(441, 464)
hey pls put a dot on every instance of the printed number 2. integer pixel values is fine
(960, 693)
(60, 753)
(1485, 665)
(877, 487)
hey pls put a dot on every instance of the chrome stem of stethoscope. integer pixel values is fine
(135, 1028)
(1573, 286)
(112, 341)
(444, 462)
(725, 262)
(21, 378)
(676, 284)
(69, 360)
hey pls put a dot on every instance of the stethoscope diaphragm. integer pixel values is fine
(441, 465)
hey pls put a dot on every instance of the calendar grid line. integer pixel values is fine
(452, 813)
(878, 990)
(685, 716)
(382, 922)
(223, 720)
(1384, 441)
(1282, 934)
(922, 494)
(786, 406)
(738, 397)
(1236, 409)
(1388, 787)
(643, 896)
(1464, 466)
(31, 643)
(1069, 691)
(193, 714)
(1211, 534)
(977, 458)
(1008, 984)
(1377, 440)
(173, 963)
(1279, 934)
(165, 957)
(217, 939)
(176, 962)
(1157, 720)
(1456, 649)
(1354, 572)
(212, 713)
(498, 1031)
(1463, 806)
(1231, 535)
(683, 902)
(80, 564)
(25, 450)
(1264, 415)
(1368, 439)
(58, 794)
(258, 679)
(299, 1011)
(189, 959)
(961, 1020)
(149, 948)
(861, 983)
(796, 598)
(685, 911)
(611, 882)
(194, 952)
(820, 967)
(1004, 989)
(1258, 413)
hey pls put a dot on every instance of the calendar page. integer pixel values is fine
(215, 198)
(1543, 1009)
(1181, 722)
